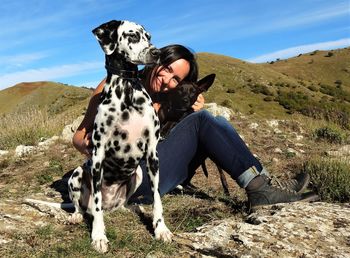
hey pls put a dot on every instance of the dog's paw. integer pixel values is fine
(76, 218)
(163, 233)
(100, 244)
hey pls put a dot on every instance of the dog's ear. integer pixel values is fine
(107, 36)
(205, 83)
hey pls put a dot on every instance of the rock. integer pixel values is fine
(277, 131)
(47, 143)
(283, 230)
(272, 123)
(22, 151)
(278, 150)
(253, 126)
(3, 152)
(218, 110)
(341, 152)
(69, 130)
(292, 151)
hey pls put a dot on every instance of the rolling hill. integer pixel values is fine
(55, 97)
(316, 84)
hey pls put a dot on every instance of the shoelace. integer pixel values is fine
(285, 185)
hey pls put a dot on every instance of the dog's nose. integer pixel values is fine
(155, 52)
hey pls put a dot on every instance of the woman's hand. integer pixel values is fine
(199, 104)
(83, 143)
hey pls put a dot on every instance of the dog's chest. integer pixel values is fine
(123, 126)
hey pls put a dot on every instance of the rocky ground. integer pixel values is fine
(205, 222)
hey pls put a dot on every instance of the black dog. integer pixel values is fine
(176, 104)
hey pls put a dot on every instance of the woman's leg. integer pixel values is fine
(214, 136)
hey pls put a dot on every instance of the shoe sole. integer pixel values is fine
(311, 198)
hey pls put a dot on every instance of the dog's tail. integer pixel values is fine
(57, 205)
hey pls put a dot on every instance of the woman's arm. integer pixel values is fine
(82, 137)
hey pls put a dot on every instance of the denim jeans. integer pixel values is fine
(198, 136)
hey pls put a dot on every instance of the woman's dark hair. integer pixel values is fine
(168, 55)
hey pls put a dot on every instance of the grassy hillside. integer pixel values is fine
(55, 97)
(31, 111)
(316, 67)
(315, 84)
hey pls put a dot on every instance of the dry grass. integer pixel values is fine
(29, 126)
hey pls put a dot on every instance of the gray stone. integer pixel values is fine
(283, 230)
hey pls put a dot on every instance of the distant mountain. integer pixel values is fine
(55, 97)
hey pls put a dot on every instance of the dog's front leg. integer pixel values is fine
(161, 231)
(98, 235)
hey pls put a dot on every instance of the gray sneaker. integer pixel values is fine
(268, 194)
(297, 184)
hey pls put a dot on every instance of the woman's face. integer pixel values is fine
(165, 78)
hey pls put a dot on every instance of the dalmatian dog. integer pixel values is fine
(126, 130)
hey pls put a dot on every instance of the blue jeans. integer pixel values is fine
(198, 136)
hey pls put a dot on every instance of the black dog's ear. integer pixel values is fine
(205, 83)
(107, 36)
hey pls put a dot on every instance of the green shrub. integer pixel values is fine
(268, 98)
(312, 88)
(230, 90)
(226, 103)
(329, 178)
(259, 88)
(329, 134)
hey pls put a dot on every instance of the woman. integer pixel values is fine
(198, 136)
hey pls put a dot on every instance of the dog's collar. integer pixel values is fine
(127, 74)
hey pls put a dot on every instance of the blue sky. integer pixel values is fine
(52, 40)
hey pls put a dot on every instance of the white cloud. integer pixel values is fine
(21, 59)
(52, 73)
(294, 51)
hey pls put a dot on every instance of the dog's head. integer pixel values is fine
(128, 39)
(178, 102)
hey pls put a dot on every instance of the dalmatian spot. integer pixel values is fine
(153, 165)
(131, 162)
(110, 120)
(75, 174)
(97, 136)
(158, 221)
(118, 92)
(106, 102)
(146, 133)
(140, 101)
(124, 135)
(97, 165)
(125, 115)
(112, 109)
(140, 145)
(96, 200)
(122, 106)
(127, 148)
